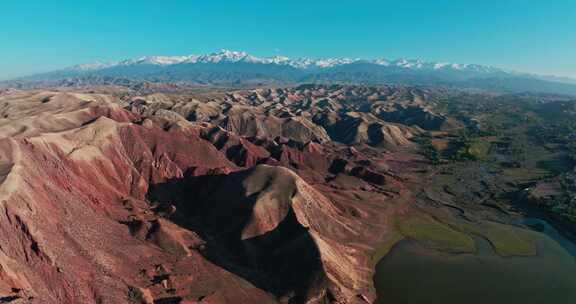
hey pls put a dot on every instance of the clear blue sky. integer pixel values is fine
(525, 35)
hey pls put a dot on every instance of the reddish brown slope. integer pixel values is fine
(65, 196)
(102, 205)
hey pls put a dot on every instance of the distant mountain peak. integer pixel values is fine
(231, 56)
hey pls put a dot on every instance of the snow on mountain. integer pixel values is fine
(227, 56)
(159, 60)
(92, 66)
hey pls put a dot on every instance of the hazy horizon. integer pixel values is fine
(272, 55)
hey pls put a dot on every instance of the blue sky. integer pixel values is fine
(526, 35)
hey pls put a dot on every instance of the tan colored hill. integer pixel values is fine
(381, 117)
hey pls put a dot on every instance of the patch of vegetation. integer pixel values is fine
(384, 248)
(428, 149)
(506, 240)
(434, 234)
(562, 132)
(479, 149)
(441, 182)
(469, 147)
(565, 204)
(470, 150)
(525, 139)
(571, 147)
(525, 175)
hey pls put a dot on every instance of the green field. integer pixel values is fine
(505, 239)
(434, 234)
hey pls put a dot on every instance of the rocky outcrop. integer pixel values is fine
(275, 229)
(361, 128)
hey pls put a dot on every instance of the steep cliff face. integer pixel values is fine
(275, 229)
(105, 204)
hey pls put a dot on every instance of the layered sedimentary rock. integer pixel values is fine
(156, 200)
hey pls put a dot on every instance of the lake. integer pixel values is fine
(414, 274)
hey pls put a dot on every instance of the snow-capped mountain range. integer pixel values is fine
(227, 56)
(242, 69)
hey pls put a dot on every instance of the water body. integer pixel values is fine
(543, 226)
(414, 274)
